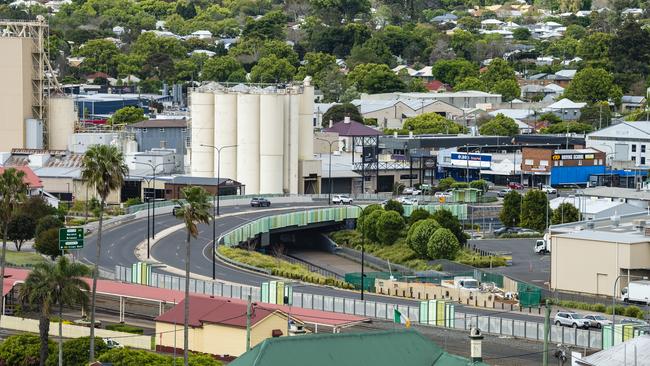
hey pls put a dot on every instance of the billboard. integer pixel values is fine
(471, 160)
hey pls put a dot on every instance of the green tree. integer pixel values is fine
(509, 89)
(22, 349)
(419, 235)
(565, 212)
(550, 117)
(629, 52)
(12, 193)
(375, 78)
(568, 127)
(48, 222)
(448, 221)
(471, 83)
(394, 205)
(497, 71)
(318, 65)
(333, 11)
(365, 213)
(593, 85)
(370, 225)
(431, 123)
(103, 168)
(598, 115)
(37, 207)
(272, 69)
(195, 210)
(389, 226)
(521, 34)
(127, 115)
(443, 244)
(270, 26)
(575, 31)
(418, 214)
(533, 210)
(454, 71)
(21, 229)
(99, 55)
(338, 112)
(47, 243)
(75, 351)
(221, 68)
(499, 126)
(511, 210)
(445, 183)
(51, 285)
(480, 184)
(594, 49)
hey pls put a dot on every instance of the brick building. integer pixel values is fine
(561, 166)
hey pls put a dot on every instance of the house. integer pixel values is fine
(218, 326)
(409, 71)
(631, 103)
(446, 18)
(385, 348)
(438, 86)
(201, 34)
(31, 180)
(562, 166)
(565, 109)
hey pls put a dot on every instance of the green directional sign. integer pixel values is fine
(71, 238)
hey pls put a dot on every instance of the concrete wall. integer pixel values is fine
(429, 291)
(16, 91)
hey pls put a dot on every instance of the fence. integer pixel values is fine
(312, 267)
(494, 325)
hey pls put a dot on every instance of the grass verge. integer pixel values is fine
(23, 259)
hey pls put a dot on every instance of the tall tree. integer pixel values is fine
(338, 112)
(49, 285)
(447, 220)
(629, 52)
(104, 169)
(195, 210)
(21, 229)
(499, 126)
(375, 78)
(511, 210)
(593, 85)
(12, 192)
(565, 212)
(534, 210)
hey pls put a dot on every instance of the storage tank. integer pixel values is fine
(294, 137)
(202, 133)
(306, 124)
(61, 120)
(271, 143)
(225, 133)
(248, 142)
(33, 133)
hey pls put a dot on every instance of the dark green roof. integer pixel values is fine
(389, 348)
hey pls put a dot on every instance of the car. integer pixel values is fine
(260, 202)
(515, 185)
(110, 343)
(527, 231)
(175, 209)
(575, 320)
(442, 194)
(84, 322)
(548, 189)
(407, 201)
(412, 191)
(637, 322)
(503, 192)
(598, 321)
(341, 199)
(507, 230)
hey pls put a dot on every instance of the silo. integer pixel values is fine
(225, 133)
(248, 142)
(271, 143)
(306, 125)
(294, 143)
(202, 106)
(61, 120)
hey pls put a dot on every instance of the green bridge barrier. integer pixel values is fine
(315, 216)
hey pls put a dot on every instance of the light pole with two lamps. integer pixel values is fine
(217, 213)
(329, 173)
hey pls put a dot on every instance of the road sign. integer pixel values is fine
(71, 238)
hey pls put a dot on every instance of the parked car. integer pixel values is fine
(260, 202)
(548, 189)
(527, 231)
(515, 185)
(637, 322)
(507, 230)
(598, 321)
(407, 201)
(503, 192)
(341, 199)
(110, 343)
(574, 320)
(176, 208)
(412, 191)
(442, 194)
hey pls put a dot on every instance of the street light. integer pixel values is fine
(217, 213)
(363, 243)
(614, 302)
(329, 173)
(153, 215)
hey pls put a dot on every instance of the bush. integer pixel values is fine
(125, 328)
(389, 227)
(418, 238)
(417, 215)
(129, 357)
(480, 184)
(76, 351)
(22, 349)
(370, 224)
(634, 312)
(47, 243)
(132, 202)
(460, 185)
(447, 220)
(394, 205)
(620, 310)
(445, 183)
(443, 244)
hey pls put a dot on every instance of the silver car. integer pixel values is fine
(598, 321)
(574, 320)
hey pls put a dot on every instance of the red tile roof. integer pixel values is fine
(31, 179)
(13, 276)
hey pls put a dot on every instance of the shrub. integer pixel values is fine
(620, 310)
(480, 184)
(370, 224)
(460, 185)
(599, 308)
(132, 202)
(417, 215)
(418, 238)
(389, 226)
(443, 244)
(394, 205)
(634, 312)
(125, 328)
(445, 183)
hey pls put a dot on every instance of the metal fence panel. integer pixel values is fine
(531, 330)
(339, 305)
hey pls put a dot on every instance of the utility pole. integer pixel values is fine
(248, 324)
(547, 333)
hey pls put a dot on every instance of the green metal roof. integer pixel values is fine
(389, 348)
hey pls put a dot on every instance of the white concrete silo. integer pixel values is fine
(271, 143)
(306, 122)
(248, 142)
(293, 144)
(61, 120)
(202, 105)
(225, 133)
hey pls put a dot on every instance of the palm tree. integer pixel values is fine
(12, 192)
(52, 284)
(103, 168)
(195, 210)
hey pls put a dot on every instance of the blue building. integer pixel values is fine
(162, 134)
(101, 106)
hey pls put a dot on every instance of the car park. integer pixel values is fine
(568, 319)
(515, 185)
(548, 189)
(598, 321)
(411, 191)
(341, 199)
(260, 202)
(503, 192)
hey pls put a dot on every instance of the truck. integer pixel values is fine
(466, 283)
(543, 246)
(637, 291)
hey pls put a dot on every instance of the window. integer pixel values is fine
(528, 162)
(642, 148)
(556, 163)
(188, 142)
(634, 148)
(144, 130)
(162, 130)
(634, 158)
(643, 160)
(183, 130)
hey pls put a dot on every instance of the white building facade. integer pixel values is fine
(626, 144)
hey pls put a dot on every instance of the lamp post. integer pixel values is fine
(216, 213)
(329, 170)
(363, 243)
(153, 208)
(614, 302)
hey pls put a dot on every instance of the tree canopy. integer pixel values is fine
(499, 126)
(338, 112)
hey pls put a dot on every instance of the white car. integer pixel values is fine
(407, 201)
(411, 191)
(548, 189)
(442, 194)
(598, 321)
(341, 199)
(574, 320)
(112, 344)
